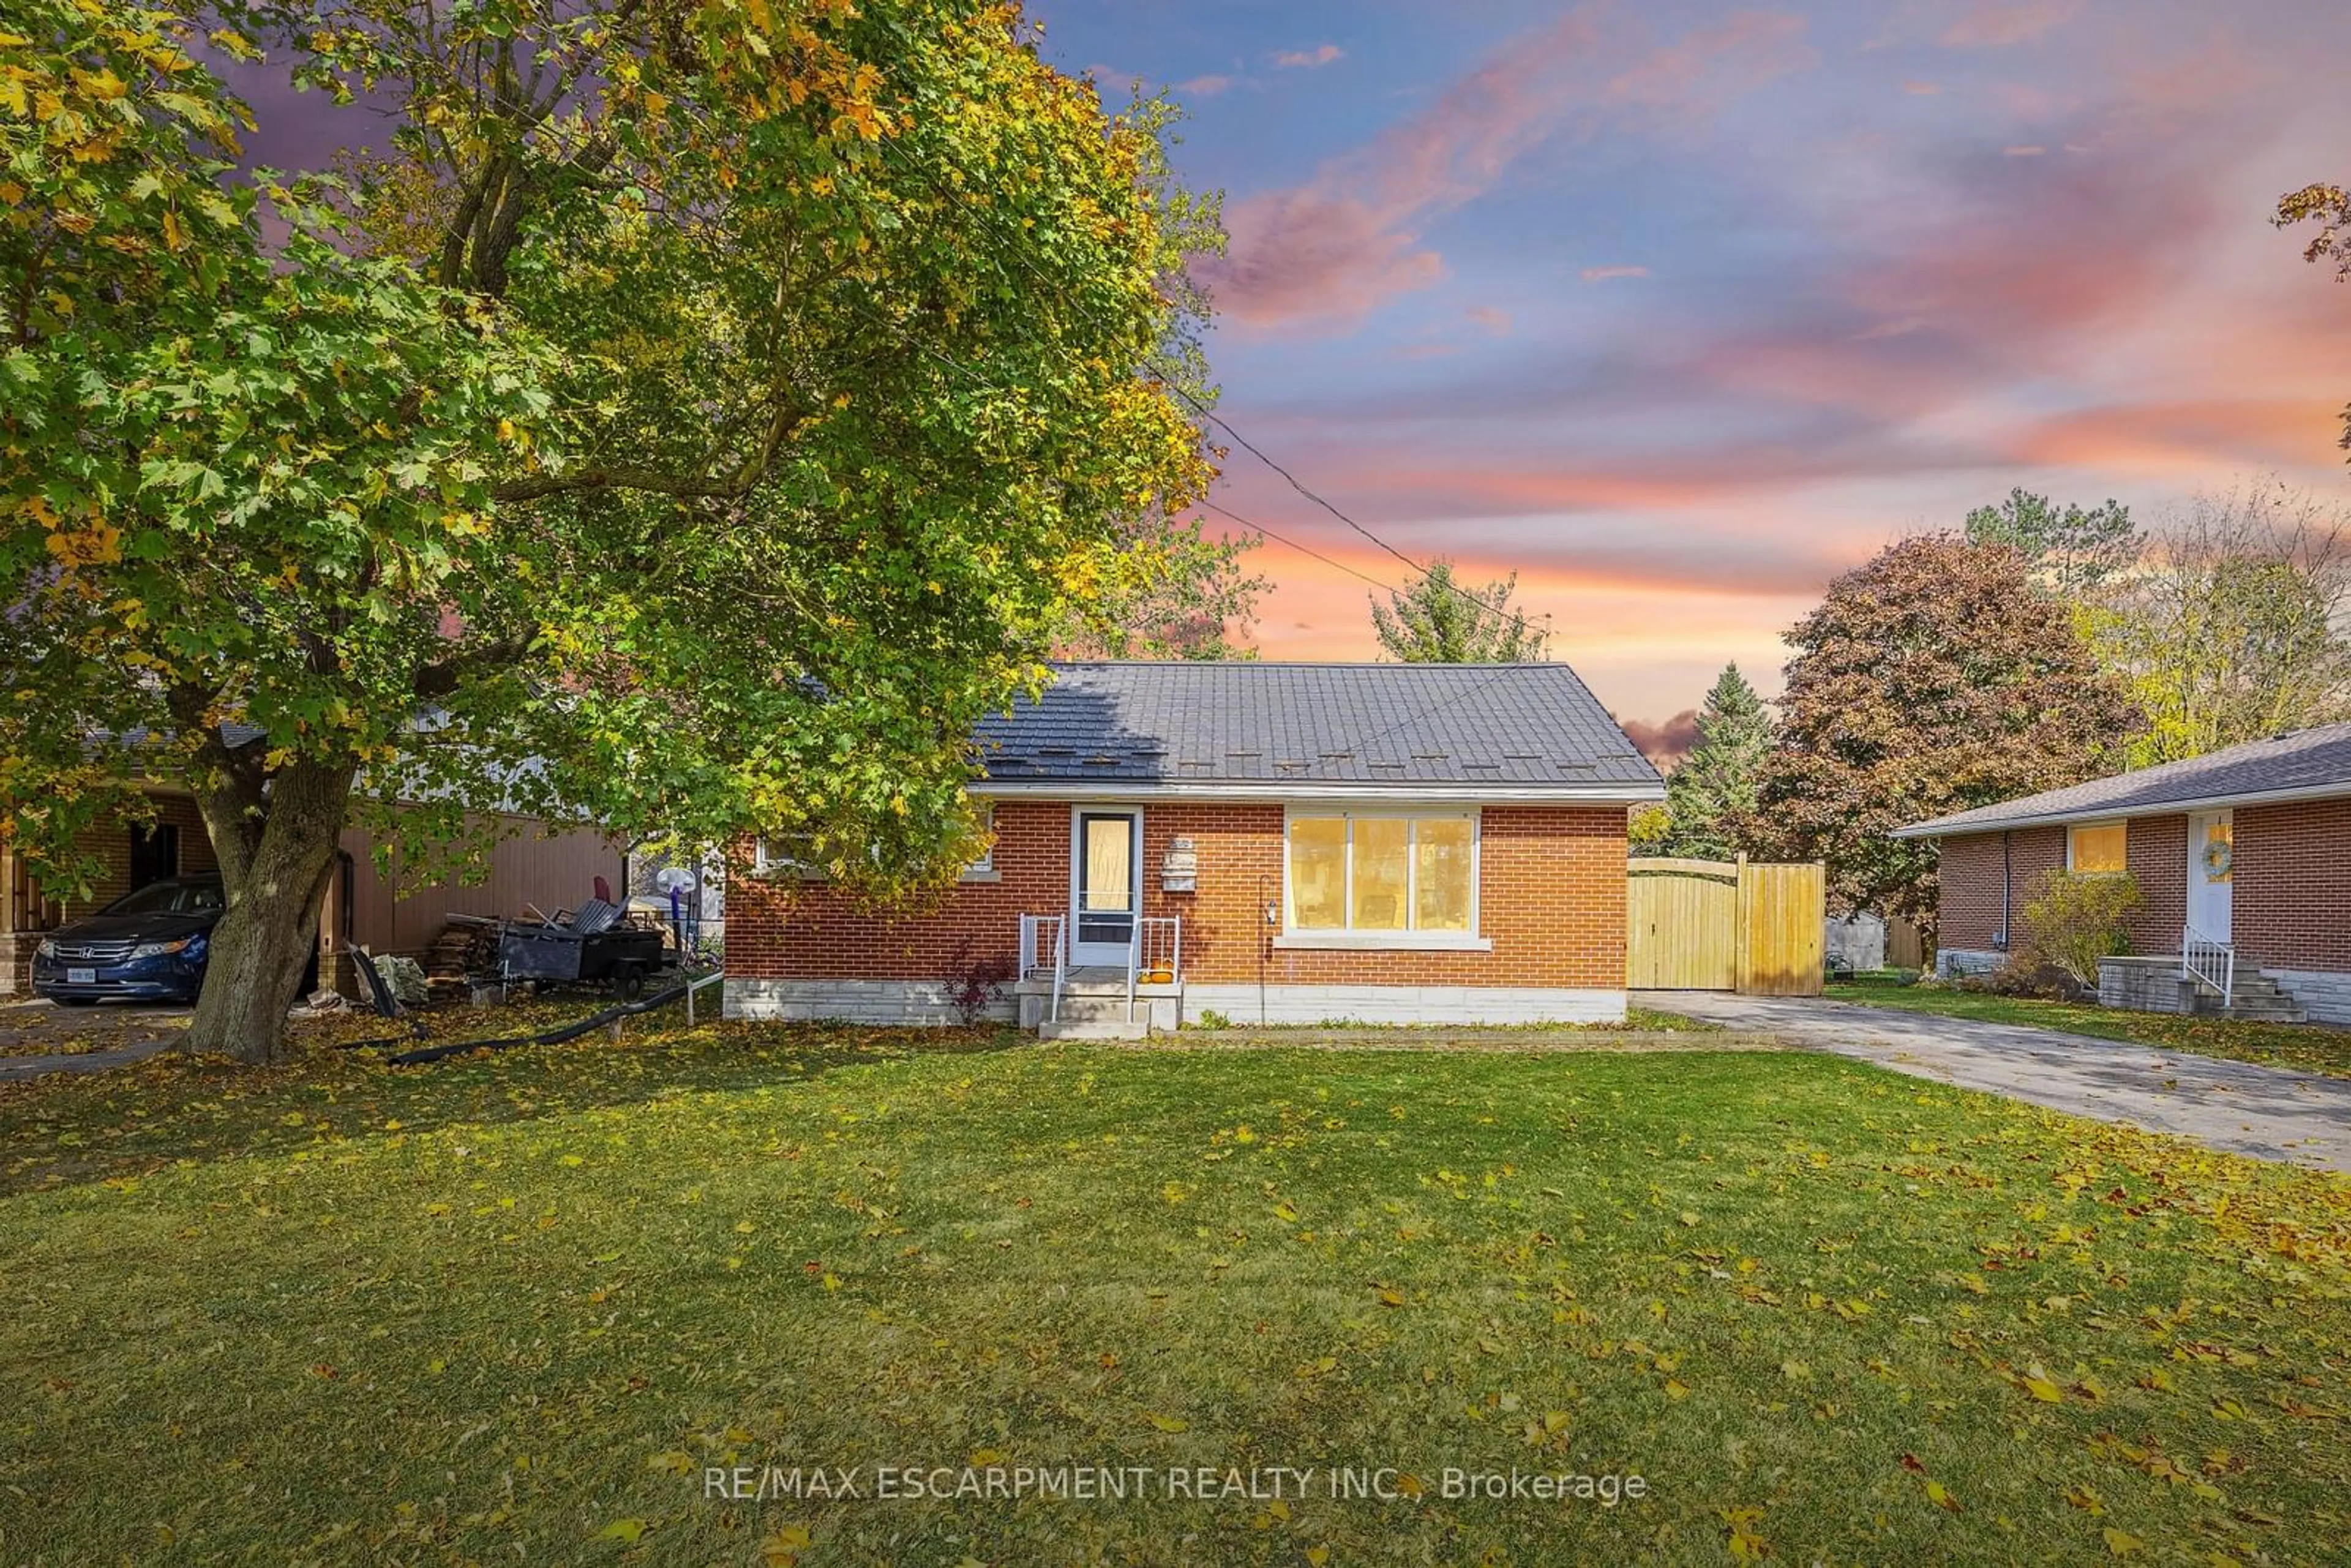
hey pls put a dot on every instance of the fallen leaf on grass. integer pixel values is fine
(628, 1529)
(1168, 1423)
(2122, 1542)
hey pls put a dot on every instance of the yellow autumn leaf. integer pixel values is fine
(1941, 1496)
(674, 1462)
(1166, 1422)
(2122, 1542)
(983, 1458)
(627, 1529)
(1676, 1388)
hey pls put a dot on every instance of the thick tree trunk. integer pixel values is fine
(276, 853)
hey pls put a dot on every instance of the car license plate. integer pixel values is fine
(81, 976)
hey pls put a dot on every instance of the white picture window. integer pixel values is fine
(1383, 871)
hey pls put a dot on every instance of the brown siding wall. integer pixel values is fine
(529, 865)
(2292, 908)
(1550, 896)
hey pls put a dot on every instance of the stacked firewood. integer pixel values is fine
(467, 947)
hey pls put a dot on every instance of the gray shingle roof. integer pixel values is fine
(1515, 725)
(2308, 763)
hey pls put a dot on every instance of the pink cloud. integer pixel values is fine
(1495, 321)
(1920, 88)
(2026, 152)
(1711, 67)
(1348, 240)
(1205, 85)
(1663, 744)
(1307, 59)
(1997, 24)
(1603, 274)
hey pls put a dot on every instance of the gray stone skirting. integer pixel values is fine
(1963, 963)
(852, 1001)
(2144, 983)
(2323, 994)
(924, 1002)
(1407, 1004)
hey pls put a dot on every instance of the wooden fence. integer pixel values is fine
(1717, 925)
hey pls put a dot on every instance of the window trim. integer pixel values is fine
(780, 868)
(1295, 936)
(2073, 831)
(984, 868)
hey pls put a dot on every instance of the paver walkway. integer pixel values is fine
(2274, 1114)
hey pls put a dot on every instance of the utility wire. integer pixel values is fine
(1448, 699)
(1518, 619)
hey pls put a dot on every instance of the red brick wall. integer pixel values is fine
(2292, 908)
(109, 841)
(1551, 899)
(1968, 916)
(2158, 861)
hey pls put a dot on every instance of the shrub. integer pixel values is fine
(973, 985)
(2069, 925)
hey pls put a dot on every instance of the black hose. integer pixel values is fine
(555, 1035)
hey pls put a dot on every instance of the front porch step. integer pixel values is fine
(2254, 998)
(1093, 1028)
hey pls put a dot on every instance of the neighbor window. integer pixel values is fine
(2098, 849)
(1361, 872)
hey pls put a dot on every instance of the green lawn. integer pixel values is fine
(2305, 1046)
(512, 1308)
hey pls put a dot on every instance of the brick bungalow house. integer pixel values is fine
(2242, 860)
(548, 865)
(1285, 842)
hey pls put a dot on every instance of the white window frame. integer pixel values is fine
(1294, 936)
(984, 868)
(2073, 828)
(767, 862)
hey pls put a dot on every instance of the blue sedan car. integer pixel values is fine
(149, 945)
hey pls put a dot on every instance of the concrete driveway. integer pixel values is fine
(2269, 1112)
(38, 1037)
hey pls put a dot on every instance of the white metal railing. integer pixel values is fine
(1155, 949)
(2214, 963)
(1045, 949)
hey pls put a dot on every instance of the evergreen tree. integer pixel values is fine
(1713, 793)
(2070, 551)
(1438, 622)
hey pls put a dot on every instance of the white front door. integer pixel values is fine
(2211, 874)
(1105, 882)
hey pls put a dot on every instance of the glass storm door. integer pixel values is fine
(1106, 884)
(2211, 875)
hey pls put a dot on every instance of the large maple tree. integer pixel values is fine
(763, 383)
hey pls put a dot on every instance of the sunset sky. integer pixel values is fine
(1679, 309)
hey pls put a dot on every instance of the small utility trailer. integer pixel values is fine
(598, 945)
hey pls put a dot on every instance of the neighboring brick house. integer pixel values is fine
(533, 862)
(2247, 850)
(1289, 843)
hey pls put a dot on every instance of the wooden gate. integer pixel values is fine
(1723, 926)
